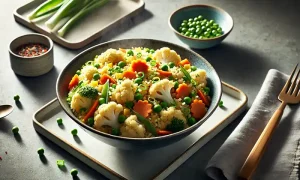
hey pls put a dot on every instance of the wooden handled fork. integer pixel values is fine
(289, 95)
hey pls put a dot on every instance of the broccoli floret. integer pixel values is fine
(175, 125)
(88, 92)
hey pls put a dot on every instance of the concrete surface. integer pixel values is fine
(265, 35)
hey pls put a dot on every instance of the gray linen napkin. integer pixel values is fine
(282, 156)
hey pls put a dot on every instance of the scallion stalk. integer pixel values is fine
(45, 8)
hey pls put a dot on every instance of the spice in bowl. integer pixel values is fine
(32, 50)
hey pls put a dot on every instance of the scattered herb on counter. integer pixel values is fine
(17, 98)
(60, 163)
(74, 132)
(221, 104)
(74, 172)
(40, 151)
(59, 121)
(15, 130)
(32, 50)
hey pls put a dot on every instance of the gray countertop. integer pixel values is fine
(265, 36)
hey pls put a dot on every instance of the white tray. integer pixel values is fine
(119, 164)
(91, 28)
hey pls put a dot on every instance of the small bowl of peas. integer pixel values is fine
(201, 26)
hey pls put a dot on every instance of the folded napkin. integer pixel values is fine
(282, 156)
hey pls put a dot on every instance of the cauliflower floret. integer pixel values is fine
(200, 76)
(132, 128)
(176, 73)
(162, 90)
(87, 72)
(166, 55)
(78, 102)
(124, 92)
(168, 115)
(107, 114)
(110, 56)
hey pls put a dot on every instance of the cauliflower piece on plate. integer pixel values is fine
(132, 128)
(107, 114)
(166, 55)
(124, 92)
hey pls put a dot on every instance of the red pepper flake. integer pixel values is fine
(5, 152)
(32, 50)
(0, 158)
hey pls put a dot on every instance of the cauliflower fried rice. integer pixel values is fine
(158, 85)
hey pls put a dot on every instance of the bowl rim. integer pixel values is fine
(106, 135)
(200, 5)
(31, 34)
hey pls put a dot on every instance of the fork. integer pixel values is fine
(289, 95)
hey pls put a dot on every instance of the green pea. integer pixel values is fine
(184, 30)
(157, 108)
(153, 63)
(74, 132)
(193, 94)
(138, 80)
(190, 20)
(176, 84)
(165, 67)
(40, 151)
(59, 121)
(152, 51)
(147, 50)
(138, 96)
(200, 17)
(122, 64)
(203, 28)
(164, 104)
(121, 119)
(101, 101)
(96, 76)
(196, 36)
(208, 30)
(215, 26)
(187, 100)
(198, 26)
(184, 21)
(214, 32)
(198, 31)
(78, 72)
(187, 33)
(219, 30)
(91, 121)
(203, 23)
(198, 23)
(171, 64)
(74, 172)
(96, 65)
(218, 35)
(130, 53)
(193, 68)
(192, 30)
(211, 21)
(206, 34)
(129, 104)
(200, 37)
(221, 104)
(115, 131)
(184, 24)
(114, 86)
(196, 19)
(148, 59)
(15, 130)
(193, 24)
(191, 121)
(17, 98)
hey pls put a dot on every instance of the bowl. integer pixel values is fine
(76, 63)
(217, 14)
(35, 65)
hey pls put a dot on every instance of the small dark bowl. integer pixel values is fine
(217, 14)
(137, 143)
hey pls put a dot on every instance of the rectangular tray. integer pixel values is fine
(119, 164)
(89, 29)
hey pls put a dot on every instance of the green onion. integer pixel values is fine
(155, 79)
(104, 93)
(141, 75)
(90, 6)
(143, 87)
(139, 55)
(153, 63)
(146, 123)
(45, 8)
(186, 74)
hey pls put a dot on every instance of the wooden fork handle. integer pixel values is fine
(259, 147)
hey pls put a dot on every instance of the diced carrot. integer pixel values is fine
(163, 132)
(91, 111)
(106, 77)
(198, 109)
(143, 108)
(74, 82)
(182, 91)
(184, 62)
(204, 98)
(157, 64)
(164, 73)
(139, 66)
(129, 74)
(123, 50)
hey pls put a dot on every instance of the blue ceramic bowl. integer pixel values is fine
(213, 81)
(220, 16)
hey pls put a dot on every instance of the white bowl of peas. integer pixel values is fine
(201, 26)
